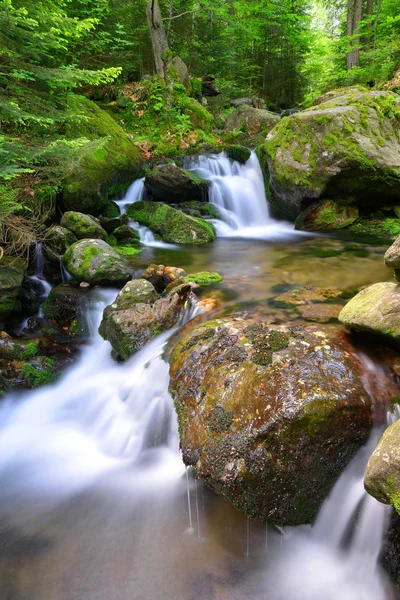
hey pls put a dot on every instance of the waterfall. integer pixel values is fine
(238, 192)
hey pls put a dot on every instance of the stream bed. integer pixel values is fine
(95, 502)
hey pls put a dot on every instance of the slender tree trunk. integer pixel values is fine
(159, 41)
(354, 14)
(369, 13)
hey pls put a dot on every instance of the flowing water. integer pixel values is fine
(95, 502)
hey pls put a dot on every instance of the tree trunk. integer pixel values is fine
(354, 14)
(369, 14)
(159, 41)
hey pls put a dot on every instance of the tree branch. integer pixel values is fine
(188, 12)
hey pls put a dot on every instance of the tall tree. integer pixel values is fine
(159, 40)
(354, 15)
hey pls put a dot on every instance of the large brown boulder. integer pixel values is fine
(269, 418)
(253, 121)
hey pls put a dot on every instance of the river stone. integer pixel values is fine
(65, 303)
(347, 148)
(173, 185)
(83, 226)
(126, 236)
(269, 418)
(376, 310)
(96, 262)
(326, 215)
(170, 224)
(161, 276)
(382, 477)
(251, 120)
(109, 225)
(58, 239)
(319, 305)
(239, 153)
(138, 314)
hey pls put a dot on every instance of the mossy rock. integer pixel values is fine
(251, 121)
(382, 476)
(195, 208)
(325, 216)
(102, 169)
(11, 277)
(347, 147)
(173, 185)
(238, 153)
(96, 262)
(261, 409)
(204, 278)
(126, 235)
(171, 224)
(83, 226)
(375, 310)
(139, 314)
(58, 239)
(66, 303)
(385, 227)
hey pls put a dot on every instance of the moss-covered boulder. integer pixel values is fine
(204, 278)
(138, 314)
(195, 208)
(83, 226)
(68, 306)
(57, 240)
(252, 121)
(326, 215)
(102, 169)
(375, 310)
(269, 417)
(11, 277)
(173, 185)
(96, 262)
(382, 477)
(347, 148)
(126, 236)
(239, 153)
(170, 224)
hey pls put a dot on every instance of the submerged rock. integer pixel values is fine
(95, 262)
(325, 216)
(269, 417)
(376, 310)
(138, 314)
(171, 224)
(83, 226)
(173, 185)
(319, 305)
(347, 148)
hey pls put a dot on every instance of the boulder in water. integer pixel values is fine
(161, 276)
(171, 224)
(346, 148)
(57, 240)
(126, 236)
(269, 418)
(173, 185)
(238, 153)
(382, 477)
(326, 215)
(83, 226)
(68, 305)
(96, 262)
(138, 314)
(376, 310)
(110, 224)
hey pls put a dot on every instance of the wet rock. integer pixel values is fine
(346, 148)
(83, 226)
(195, 208)
(253, 121)
(171, 224)
(326, 215)
(161, 276)
(375, 310)
(204, 278)
(11, 277)
(126, 236)
(392, 258)
(109, 225)
(238, 153)
(390, 555)
(382, 476)
(269, 417)
(173, 185)
(138, 314)
(57, 240)
(95, 262)
(66, 303)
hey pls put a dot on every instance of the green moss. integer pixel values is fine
(172, 225)
(110, 211)
(128, 250)
(238, 153)
(27, 352)
(36, 377)
(204, 278)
